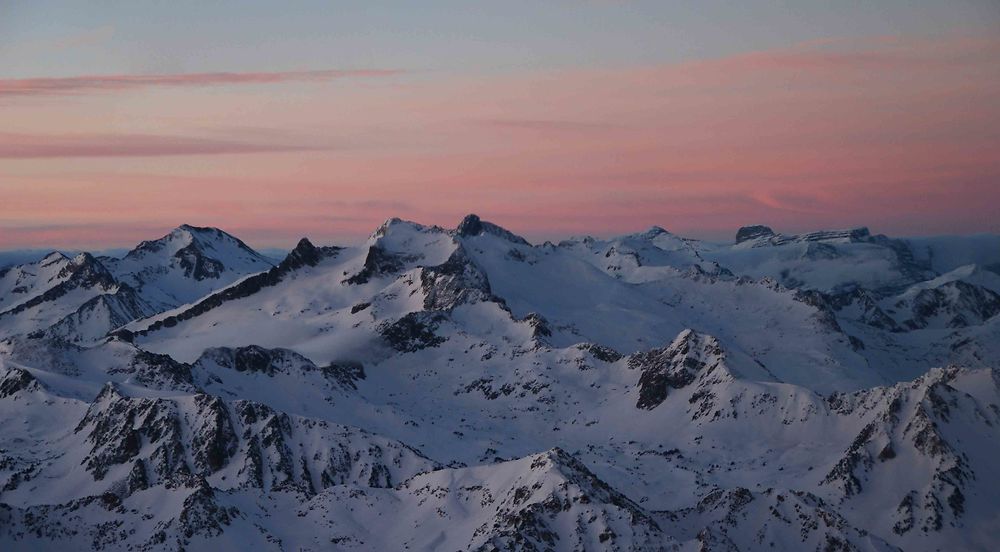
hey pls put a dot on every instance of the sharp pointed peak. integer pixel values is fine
(304, 251)
(305, 254)
(304, 243)
(471, 225)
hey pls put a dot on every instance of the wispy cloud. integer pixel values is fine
(33, 146)
(892, 53)
(548, 125)
(97, 83)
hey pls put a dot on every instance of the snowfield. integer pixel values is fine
(463, 389)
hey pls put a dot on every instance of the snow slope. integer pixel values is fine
(82, 299)
(186, 264)
(463, 389)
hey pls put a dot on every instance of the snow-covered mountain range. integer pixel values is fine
(464, 389)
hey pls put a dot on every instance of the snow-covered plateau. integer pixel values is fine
(464, 389)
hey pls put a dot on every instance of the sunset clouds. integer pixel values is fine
(900, 133)
(29, 146)
(114, 83)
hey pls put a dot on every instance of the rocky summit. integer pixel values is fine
(464, 389)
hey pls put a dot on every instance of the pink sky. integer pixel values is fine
(899, 133)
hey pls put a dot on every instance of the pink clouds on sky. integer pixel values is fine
(898, 133)
(98, 83)
(32, 146)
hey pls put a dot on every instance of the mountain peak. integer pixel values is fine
(675, 366)
(163, 270)
(202, 236)
(382, 228)
(304, 243)
(305, 253)
(472, 225)
(754, 231)
(393, 224)
(189, 238)
(201, 230)
(652, 233)
(53, 256)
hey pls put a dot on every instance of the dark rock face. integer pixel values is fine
(713, 273)
(377, 262)
(455, 282)
(253, 359)
(202, 515)
(111, 428)
(956, 304)
(346, 373)
(17, 379)
(158, 371)
(751, 232)
(853, 235)
(825, 305)
(472, 225)
(964, 304)
(214, 440)
(274, 362)
(600, 352)
(540, 328)
(871, 313)
(166, 441)
(304, 254)
(196, 264)
(414, 332)
(673, 367)
(864, 303)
